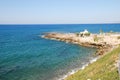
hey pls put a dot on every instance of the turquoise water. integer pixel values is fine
(24, 55)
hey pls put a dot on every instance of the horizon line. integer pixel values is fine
(54, 23)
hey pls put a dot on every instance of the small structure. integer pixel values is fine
(84, 33)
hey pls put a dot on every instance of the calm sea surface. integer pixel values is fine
(24, 55)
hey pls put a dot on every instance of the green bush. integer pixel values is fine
(77, 34)
(87, 34)
(96, 38)
(118, 37)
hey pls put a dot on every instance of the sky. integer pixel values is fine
(59, 11)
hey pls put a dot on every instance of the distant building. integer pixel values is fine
(84, 33)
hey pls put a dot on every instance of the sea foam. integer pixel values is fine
(81, 68)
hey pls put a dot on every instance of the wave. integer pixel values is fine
(81, 68)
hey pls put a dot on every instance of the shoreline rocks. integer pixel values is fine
(88, 41)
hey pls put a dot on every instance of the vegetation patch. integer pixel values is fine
(118, 37)
(103, 69)
(96, 38)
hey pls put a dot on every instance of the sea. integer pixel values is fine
(24, 55)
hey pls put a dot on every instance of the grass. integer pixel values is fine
(103, 69)
(96, 39)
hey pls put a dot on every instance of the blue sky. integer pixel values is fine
(59, 11)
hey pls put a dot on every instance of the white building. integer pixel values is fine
(84, 33)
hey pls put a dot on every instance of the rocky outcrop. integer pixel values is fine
(102, 47)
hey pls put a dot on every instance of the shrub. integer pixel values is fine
(96, 38)
(77, 34)
(87, 34)
(118, 37)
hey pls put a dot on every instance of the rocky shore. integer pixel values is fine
(103, 42)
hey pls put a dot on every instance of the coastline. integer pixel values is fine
(102, 48)
(115, 50)
(72, 72)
